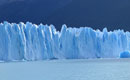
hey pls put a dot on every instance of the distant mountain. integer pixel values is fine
(113, 14)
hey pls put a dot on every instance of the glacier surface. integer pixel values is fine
(39, 42)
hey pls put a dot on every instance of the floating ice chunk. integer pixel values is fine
(125, 54)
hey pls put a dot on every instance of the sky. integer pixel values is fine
(2, 2)
(113, 14)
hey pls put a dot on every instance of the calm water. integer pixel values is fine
(104, 69)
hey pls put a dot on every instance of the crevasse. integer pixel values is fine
(40, 42)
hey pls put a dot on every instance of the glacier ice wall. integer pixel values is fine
(38, 42)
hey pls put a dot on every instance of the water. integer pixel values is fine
(102, 69)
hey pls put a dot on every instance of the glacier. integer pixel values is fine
(27, 41)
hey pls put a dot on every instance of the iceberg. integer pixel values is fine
(41, 42)
(125, 54)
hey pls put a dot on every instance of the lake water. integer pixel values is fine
(97, 69)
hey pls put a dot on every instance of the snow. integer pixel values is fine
(95, 69)
(40, 42)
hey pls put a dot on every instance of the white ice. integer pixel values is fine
(39, 42)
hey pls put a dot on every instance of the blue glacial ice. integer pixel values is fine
(40, 42)
(125, 54)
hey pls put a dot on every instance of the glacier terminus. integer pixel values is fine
(30, 42)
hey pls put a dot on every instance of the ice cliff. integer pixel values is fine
(39, 42)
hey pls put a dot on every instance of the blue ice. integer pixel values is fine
(125, 54)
